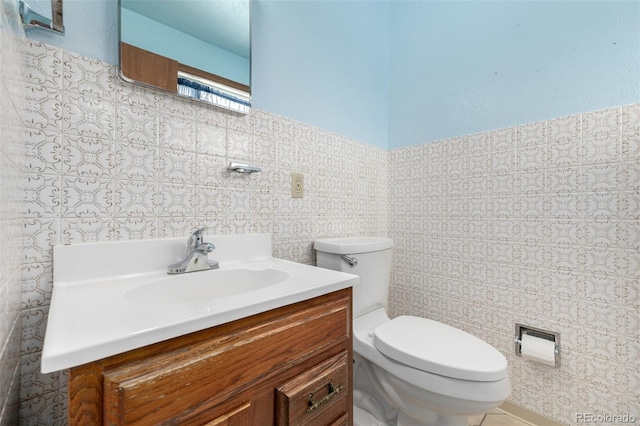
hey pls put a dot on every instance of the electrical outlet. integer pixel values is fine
(297, 185)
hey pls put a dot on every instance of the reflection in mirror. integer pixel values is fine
(32, 19)
(196, 48)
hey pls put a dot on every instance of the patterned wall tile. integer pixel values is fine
(564, 129)
(42, 195)
(43, 152)
(135, 228)
(531, 158)
(564, 153)
(211, 139)
(532, 134)
(87, 116)
(565, 179)
(631, 147)
(39, 237)
(212, 201)
(86, 230)
(33, 382)
(134, 198)
(477, 144)
(169, 227)
(87, 156)
(241, 122)
(136, 124)
(177, 132)
(502, 139)
(628, 205)
(239, 224)
(556, 248)
(136, 162)
(288, 154)
(37, 283)
(630, 118)
(43, 65)
(14, 114)
(630, 176)
(84, 197)
(177, 106)
(503, 160)
(211, 170)
(48, 408)
(602, 148)
(176, 199)
(239, 145)
(177, 166)
(536, 221)
(600, 123)
(43, 108)
(34, 322)
(88, 77)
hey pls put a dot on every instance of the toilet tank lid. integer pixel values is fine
(352, 245)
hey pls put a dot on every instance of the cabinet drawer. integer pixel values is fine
(318, 396)
(239, 416)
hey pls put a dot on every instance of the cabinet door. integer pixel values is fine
(241, 416)
(316, 397)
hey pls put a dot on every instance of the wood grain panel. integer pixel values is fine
(238, 417)
(193, 379)
(190, 378)
(148, 68)
(293, 398)
(342, 421)
(85, 395)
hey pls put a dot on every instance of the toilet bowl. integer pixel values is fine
(410, 371)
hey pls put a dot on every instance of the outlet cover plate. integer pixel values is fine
(297, 185)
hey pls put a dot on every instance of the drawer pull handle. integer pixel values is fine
(333, 391)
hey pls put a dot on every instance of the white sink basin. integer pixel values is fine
(113, 297)
(205, 285)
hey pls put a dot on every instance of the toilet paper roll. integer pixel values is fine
(537, 349)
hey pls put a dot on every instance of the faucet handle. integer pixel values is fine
(206, 247)
(195, 240)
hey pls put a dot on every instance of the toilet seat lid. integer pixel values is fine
(439, 349)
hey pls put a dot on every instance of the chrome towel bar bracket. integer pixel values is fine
(32, 19)
(243, 168)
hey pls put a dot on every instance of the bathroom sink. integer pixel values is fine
(203, 286)
(112, 297)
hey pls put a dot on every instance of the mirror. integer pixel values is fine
(195, 48)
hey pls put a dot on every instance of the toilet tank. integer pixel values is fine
(373, 256)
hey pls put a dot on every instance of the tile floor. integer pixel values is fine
(497, 417)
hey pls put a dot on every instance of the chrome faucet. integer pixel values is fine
(197, 258)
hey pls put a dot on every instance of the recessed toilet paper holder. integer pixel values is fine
(553, 336)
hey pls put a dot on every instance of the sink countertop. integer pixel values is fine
(90, 318)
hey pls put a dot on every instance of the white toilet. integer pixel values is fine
(410, 370)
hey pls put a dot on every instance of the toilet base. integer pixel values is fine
(438, 420)
(362, 417)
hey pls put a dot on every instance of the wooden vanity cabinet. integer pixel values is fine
(288, 366)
